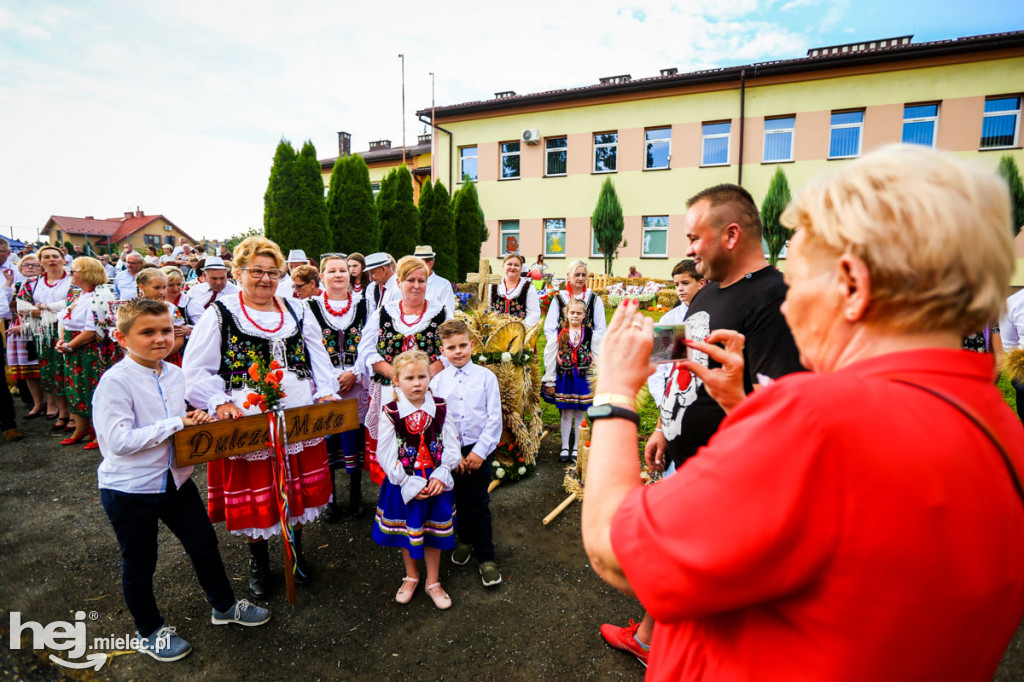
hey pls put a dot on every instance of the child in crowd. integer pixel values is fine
(140, 404)
(688, 282)
(417, 448)
(474, 407)
(567, 372)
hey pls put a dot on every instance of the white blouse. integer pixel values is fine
(387, 450)
(368, 344)
(43, 293)
(600, 324)
(532, 300)
(79, 318)
(341, 322)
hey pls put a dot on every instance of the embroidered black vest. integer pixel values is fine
(516, 307)
(584, 357)
(588, 314)
(409, 443)
(389, 340)
(237, 348)
(342, 344)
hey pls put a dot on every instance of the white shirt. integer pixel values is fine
(438, 289)
(136, 411)
(124, 285)
(656, 382)
(551, 356)
(286, 287)
(373, 290)
(177, 251)
(341, 322)
(387, 450)
(80, 318)
(532, 300)
(197, 299)
(1011, 325)
(474, 405)
(109, 269)
(551, 321)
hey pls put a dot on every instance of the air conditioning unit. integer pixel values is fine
(531, 136)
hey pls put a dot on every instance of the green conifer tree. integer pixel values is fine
(404, 219)
(608, 223)
(1008, 169)
(308, 228)
(438, 231)
(775, 201)
(425, 205)
(280, 187)
(385, 208)
(351, 214)
(470, 229)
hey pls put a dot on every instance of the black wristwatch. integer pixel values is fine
(609, 411)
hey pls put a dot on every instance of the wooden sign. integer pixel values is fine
(220, 439)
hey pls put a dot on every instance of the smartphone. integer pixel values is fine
(669, 343)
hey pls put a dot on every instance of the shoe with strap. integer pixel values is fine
(624, 639)
(242, 612)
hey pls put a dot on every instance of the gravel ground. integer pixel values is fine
(60, 556)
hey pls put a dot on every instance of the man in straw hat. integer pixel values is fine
(439, 289)
(296, 257)
(381, 269)
(215, 286)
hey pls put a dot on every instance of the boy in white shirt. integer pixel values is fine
(687, 282)
(138, 405)
(474, 404)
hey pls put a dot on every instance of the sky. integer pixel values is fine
(176, 107)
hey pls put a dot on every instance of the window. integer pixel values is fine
(919, 122)
(606, 147)
(555, 154)
(715, 149)
(467, 163)
(595, 248)
(844, 139)
(375, 188)
(657, 147)
(1000, 122)
(554, 237)
(778, 139)
(153, 240)
(655, 236)
(509, 243)
(509, 160)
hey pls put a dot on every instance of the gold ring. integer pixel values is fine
(637, 325)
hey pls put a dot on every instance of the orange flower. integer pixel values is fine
(280, 375)
(274, 364)
(273, 380)
(254, 398)
(254, 372)
(246, 405)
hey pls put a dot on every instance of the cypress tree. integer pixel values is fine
(438, 231)
(775, 201)
(470, 228)
(280, 186)
(351, 214)
(425, 205)
(1008, 169)
(309, 228)
(385, 208)
(404, 219)
(608, 223)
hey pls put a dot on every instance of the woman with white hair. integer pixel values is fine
(861, 521)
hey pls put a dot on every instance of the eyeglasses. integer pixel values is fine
(30, 265)
(343, 256)
(257, 273)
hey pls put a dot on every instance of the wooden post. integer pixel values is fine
(484, 280)
(289, 575)
(559, 509)
(494, 484)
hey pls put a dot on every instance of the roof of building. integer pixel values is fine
(855, 54)
(108, 229)
(385, 154)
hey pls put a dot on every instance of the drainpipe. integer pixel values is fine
(743, 102)
(450, 159)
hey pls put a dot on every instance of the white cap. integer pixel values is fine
(376, 260)
(297, 256)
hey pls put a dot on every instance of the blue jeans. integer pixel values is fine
(134, 517)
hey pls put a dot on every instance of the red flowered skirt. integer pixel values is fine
(83, 369)
(51, 366)
(241, 492)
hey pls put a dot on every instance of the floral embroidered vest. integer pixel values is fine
(342, 344)
(580, 357)
(409, 435)
(516, 306)
(238, 348)
(390, 341)
(588, 314)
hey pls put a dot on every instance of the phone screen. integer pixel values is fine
(669, 343)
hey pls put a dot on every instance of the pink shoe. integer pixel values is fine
(407, 590)
(438, 596)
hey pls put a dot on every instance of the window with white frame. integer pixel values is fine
(778, 139)
(1000, 123)
(845, 134)
(467, 163)
(509, 160)
(595, 248)
(554, 237)
(655, 243)
(375, 188)
(509, 237)
(606, 148)
(555, 155)
(715, 143)
(919, 124)
(657, 148)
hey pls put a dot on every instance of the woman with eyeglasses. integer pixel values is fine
(305, 282)
(22, 355)
(217, 358)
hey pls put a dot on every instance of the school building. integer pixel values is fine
(539, 159)
(381, 158)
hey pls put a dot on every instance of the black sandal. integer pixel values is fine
(61, 423)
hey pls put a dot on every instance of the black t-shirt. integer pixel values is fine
(750, 306)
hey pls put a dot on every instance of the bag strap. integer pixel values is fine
(978, 421)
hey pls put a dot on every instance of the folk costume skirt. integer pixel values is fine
(413, 526)
(82, 371)
(22, 357)
(572, 390)
(51, 365)
(241, 490)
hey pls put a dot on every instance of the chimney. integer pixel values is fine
(129, 214)
(138, 212)
(669, 72)
(88, 217)
(344, 144)
(380, 144)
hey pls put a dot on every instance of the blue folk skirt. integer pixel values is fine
(572, 391)
(413, 526)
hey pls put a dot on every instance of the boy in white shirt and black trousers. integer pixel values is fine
(474, 403)
(139, 405)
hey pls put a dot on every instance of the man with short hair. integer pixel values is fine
(124, 281)
(285, 287)
(8, 422)
(179, 249)
(213, 286)
(744, 293)
(381, 270)
(122, 262)
(439, 289)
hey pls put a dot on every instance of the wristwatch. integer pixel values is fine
(608, 411)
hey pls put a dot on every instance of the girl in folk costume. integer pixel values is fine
(418, 448)
(567, 364)
(514, 295)
(395, 327)
(256, 323)
(22, 354)
(179, 315)
(342, 314)
(152, 283)
(41, 301)
(576, 287)
(360, 278)
(87, 354)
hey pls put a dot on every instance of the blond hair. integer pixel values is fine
(147, 275)
(172, 272)
(128, 312)
(573, 265)
(408, 265)
(89, 270)
(934, 233)
(410, 357)
(254, 247)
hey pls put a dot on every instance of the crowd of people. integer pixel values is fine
(860, 520)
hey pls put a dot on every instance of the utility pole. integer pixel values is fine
(433, 155)
(402, 57)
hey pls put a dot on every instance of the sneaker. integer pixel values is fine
(461, 554)
(11, 435)
(489, 574)
(164, 645)
(243, 612)
(624, 639)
